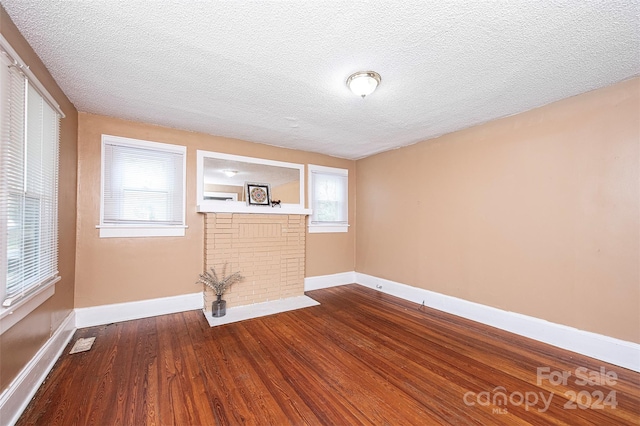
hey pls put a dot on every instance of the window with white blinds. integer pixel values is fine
(143, 188)
(329, 199)
(29, 128)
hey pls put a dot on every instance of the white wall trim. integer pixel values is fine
(608, 349)
(15, 398)
(107, 314)
(127, 231)
(324, 228)
(324, 281)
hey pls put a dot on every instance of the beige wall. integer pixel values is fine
(230, 189)
(536, 213)
(20, 343)
(286, 193)
(114, 270)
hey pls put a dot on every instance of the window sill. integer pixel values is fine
(319, 229)
(12, 315)
(135, 231)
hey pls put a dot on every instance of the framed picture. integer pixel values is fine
(258, 194)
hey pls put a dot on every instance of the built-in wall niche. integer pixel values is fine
(222, 180)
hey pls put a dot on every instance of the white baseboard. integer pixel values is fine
(324, 281)
(15, 398)
(608, 349)
(107, 314)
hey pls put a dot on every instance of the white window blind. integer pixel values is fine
(143, 183)
(329, 198)
(28, 186)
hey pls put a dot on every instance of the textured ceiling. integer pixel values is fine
(274, 71)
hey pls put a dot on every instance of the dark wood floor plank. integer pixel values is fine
(314, 388)
(182, 380)
(413, 376)
(473, 353)
(437, 374)
(231, 381)
(397, 374)
(525, 383)
(284, 395)
(361, 357)
(257, 401)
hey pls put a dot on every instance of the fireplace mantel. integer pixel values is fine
(237, 207)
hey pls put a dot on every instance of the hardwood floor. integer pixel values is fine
(361, 357)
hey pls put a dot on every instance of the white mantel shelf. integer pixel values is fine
(235, 208)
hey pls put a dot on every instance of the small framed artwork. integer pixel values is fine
(258, 194)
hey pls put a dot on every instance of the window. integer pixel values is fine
(29, 129)
(329, 194)
(143, 188)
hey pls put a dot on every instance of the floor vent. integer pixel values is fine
(82, 345)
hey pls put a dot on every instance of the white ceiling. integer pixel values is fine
(274, 71)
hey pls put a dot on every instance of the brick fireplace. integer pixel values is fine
(268, 249)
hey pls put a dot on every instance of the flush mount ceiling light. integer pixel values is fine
(230, 173)
(363, 83)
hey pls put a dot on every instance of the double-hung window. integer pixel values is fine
(329, 199)
(143, 188)
(29, 144)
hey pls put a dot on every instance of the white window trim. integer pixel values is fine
(321, 228)
(135, 231)
(142, 230)
(9, 316)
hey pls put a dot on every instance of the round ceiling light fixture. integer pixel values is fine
(363, 83)
(230, 173)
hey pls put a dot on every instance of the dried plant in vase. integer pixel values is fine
(219, 286)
